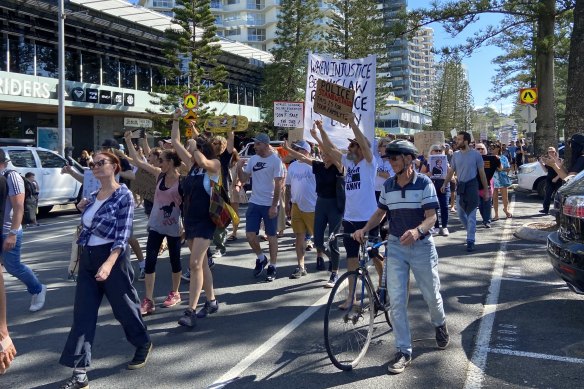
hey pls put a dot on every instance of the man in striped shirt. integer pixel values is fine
(410, 201)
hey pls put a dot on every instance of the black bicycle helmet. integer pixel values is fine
(401, 146)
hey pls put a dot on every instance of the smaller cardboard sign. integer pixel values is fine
(424, 139)
(226, 123)
(90, 183)
(144, 184)
(334, 101)
(295, 135)
(288, 114)
(438, 165)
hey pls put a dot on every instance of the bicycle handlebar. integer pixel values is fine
(366, 238)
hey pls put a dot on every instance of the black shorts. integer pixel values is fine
(351, 245)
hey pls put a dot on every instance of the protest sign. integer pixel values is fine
(226, 123)
(288, 114)
(295, 135)
(334, 101)
(453, 133)
(144, 184)
(358, 75)
(90, 183)
(423, 140)
(438, 166)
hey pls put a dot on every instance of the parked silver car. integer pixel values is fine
(55, 188)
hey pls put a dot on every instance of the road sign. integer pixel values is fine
(528, 113)
(190, 116)
(190, 100)
(189, 132)
(528, 96)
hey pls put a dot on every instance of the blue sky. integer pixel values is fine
(479, 66)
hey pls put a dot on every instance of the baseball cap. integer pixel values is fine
(3, 157)
(302, 144)
(167, 140)
(262, 138)
(110, 143)
(354, 140)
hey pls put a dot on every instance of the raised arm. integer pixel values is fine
(230, 141)
(137, 161)
(144, 143)
(296, 155)
(328, 146)
(362, 140)
(212, 166)
(183, 153)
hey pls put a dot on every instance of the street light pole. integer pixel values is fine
(61, 87)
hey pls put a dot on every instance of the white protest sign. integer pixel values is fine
(423, 140)
(356, 74)
(288, 114)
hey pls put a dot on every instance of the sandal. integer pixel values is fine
(494, 219)
(232, 238)
(509, 215)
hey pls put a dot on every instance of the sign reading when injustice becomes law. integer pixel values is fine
(288, 114)
(334, 101)
(423, 140)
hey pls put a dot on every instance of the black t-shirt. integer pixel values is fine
(577, 165)
(125, 166)
(325, 179)
(225, 159)
(492, 163)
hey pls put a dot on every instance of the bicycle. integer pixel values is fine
(352, 308)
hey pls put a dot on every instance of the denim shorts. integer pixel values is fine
(255, 214)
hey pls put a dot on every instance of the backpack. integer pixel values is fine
(28, 187)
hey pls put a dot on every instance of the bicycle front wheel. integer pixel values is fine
(348, 321)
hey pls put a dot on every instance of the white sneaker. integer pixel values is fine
(433, 231)
(217, 254)
(444, 232)
(38, 300)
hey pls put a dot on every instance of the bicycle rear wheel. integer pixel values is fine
(348, 330)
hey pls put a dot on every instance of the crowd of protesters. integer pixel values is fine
(385, 191)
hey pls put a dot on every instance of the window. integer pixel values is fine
(22, 158)
(49, 159)
(143, 72)
(256, 4)
(47, 61)
(91, 68)
(21, 55)
(231, 2)
(3, 48)
(249, 96)
(256, 34)
(234, 32)
(255, 19)
(127, 75)
(232, 94)
(72, 65)
(110, 71)
(163, 3)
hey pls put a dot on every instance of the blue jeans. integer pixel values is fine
(443, 201)
(19, 270)
(422, 259)
(485, 209)
(469, 221)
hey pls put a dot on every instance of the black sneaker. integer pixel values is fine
(298, 272)
(399, 362)
(140, 356)
(544, 211)
(186, 275)
(271, 274)
(260, 266)
(208, 309)
(74, 383)
(442, 337)
(189, 319)
(319, 263)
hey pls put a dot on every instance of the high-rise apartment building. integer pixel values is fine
(411, 62)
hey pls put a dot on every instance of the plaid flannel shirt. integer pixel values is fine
(113, 220)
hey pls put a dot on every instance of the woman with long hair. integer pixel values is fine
(104, 268)
(501, 182)
(164, 222)
(199, 228)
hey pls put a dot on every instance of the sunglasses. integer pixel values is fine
(392, 157)
(440, 150)
(480, 148)
(93, 165)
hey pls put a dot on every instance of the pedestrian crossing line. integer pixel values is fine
(478, 363)
(526, 354)
(532, 281)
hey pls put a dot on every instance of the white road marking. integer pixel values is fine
(233, 374)
(478, 362)
(532, 281)
(535, 355)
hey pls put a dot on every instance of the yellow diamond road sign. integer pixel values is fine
(528, 96)
(190, 101)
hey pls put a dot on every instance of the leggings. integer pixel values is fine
(153, 246)
(327, 213)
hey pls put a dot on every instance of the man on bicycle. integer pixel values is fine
(409, 199)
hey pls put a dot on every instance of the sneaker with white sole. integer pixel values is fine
(399, 362)
(444, 231)
(332, 280)
(37, 301)
(298, 272)
(147, 307)
(172, 299)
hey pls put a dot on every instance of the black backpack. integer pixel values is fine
(28, 187)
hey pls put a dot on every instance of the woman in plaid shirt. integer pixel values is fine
(104, 268)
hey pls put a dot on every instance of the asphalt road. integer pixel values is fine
(512, 322)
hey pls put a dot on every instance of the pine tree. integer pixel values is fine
(356, 29)
(452, 105)
(297, 34)
(193, 57)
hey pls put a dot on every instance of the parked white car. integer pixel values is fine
(249, 151)
(531, 176)
(55, 188)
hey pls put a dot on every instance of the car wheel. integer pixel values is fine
(540, 188)
(44, 211)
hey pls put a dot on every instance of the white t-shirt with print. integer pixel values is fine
(263, 172)
(302, 186)
(383, 165)
(360, 201)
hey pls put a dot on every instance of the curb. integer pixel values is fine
(534, 231)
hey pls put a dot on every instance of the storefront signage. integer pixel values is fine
(91, 95)
(77, 94)
(25, 88)
(105, 97)
(129, 99)
(117, 98)
(137, 122)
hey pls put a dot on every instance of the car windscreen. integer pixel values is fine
(22, 158)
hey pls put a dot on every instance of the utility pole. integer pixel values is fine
(61, 87)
